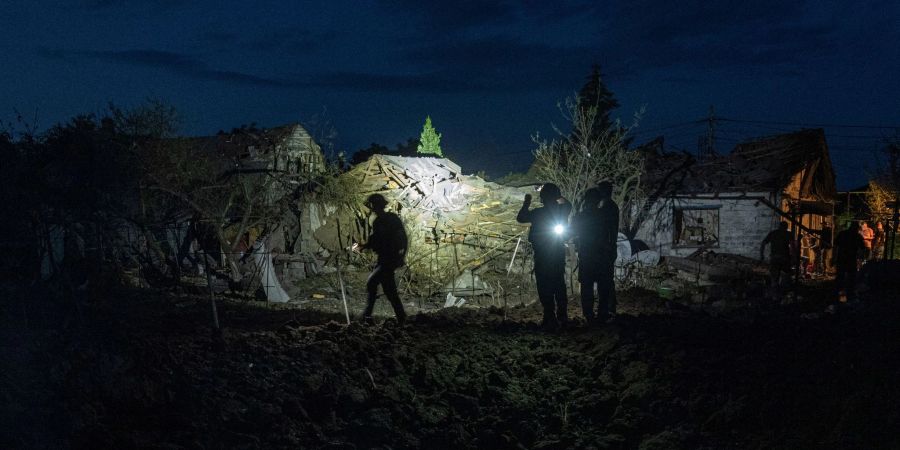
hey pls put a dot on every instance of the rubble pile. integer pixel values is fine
(458, 225)
(707, 267)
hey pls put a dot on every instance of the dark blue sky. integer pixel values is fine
(489, 73)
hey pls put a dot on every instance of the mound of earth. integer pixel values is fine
(145, 370)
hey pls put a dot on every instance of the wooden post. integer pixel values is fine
(515, 251)
(343, 292)
(894, 225)
(212, 295)
(796, 230)
(455, 250)
(472, 272)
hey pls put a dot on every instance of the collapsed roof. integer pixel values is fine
(287, 148)
(767, 164)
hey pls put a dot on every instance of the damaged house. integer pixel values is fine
(208, 200)
(287, 152)
(729, 203)
(460, 227)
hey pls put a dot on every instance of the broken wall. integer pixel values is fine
(742, 224)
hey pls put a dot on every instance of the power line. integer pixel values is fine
(666, 127)
(801, 124)
(856, 136)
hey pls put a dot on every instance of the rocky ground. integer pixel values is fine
(144, 369)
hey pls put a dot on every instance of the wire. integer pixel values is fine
(666, 127)
(801, 124)
(852, 148)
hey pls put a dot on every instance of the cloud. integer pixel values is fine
(506, 64)
(291, 41)
(439, 18)
(370, 82)
(451, 16)
(628, 39)
(101, 5)
(192, 67)
(218, 37)
(648, 35)
(174, 62)
(559, 10)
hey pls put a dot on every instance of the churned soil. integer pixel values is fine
(144, 369)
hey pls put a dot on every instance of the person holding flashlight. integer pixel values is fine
(547, 235)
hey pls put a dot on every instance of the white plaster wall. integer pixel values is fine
(743, 224)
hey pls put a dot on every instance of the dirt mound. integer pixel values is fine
(149, 373)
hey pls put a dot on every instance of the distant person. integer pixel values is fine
(388, 240)
(596, 230)
(808, 246)
(825, 245)
(848, 246)
(779, 241)
(868, 236)
(878, 242)
(547, 237)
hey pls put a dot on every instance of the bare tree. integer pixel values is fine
(578, 160)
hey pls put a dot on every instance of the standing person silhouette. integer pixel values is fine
(389, 241)
(596, 230)
(547, 237)
(779, 257)
(848, 246)
(826, 245)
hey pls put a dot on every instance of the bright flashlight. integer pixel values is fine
(558, 229)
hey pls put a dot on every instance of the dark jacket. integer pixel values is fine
(388, 240)
(780, 244)
(596, 232)
(547, 244)
(849, 246)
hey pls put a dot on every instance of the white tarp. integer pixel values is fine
(623, 249)
(469, 284)
(268, 281)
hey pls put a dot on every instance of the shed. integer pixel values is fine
(729, 203)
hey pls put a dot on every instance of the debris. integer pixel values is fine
(457, 224)
(453, 301)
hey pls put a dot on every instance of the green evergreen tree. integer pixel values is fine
(430, 141)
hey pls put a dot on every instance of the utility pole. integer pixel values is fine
(706, 145)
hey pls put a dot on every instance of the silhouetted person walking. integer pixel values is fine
(388, 240)
(547, 236)
(849, 245)
(596, 230)
(779, 255)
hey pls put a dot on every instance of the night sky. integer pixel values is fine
(490, 74)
